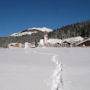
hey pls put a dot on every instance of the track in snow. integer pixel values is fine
(57, 82)
(57, 79)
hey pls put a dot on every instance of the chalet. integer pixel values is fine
(69, 42)
(84, 43)
(15, 45)
(32, 45)
(54, 42)
(65, 44)
(29, 45)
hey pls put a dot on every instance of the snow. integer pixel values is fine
(73, 39)
(57, 81)
(45, 69)
(43, 29)
(28, 32)
(54, 41)
(23, 33)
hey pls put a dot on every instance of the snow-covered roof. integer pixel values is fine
(73, 39)
(83, 41)
(88, 39)
(53, 41)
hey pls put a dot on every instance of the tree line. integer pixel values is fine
(73, 30)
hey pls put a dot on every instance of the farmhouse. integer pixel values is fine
(84, 43)
(29, 45)
(15, 45)
(65, 44)
(32, 45)
(54, 42)
(69, 42)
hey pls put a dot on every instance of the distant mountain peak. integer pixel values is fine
(43, 29)
(29, 31)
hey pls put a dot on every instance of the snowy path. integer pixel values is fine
(57, 83)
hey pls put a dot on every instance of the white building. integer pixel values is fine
(50, 42)
(73, 39)
(41, 43)
(54, 42)
(27, 45)
(45, 39)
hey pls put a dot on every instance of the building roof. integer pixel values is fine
(83, 41)
(53, 41)
(73, 39)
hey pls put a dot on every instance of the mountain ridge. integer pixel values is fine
(29, 31)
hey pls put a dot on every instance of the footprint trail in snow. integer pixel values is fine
(57, 79)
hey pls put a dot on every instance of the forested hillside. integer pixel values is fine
(78, 29)
(35, 37)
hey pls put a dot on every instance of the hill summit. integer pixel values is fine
(30, 31)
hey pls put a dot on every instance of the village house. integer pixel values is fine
(84, 43)
(20, 45)
(15, 45)
(32, 45)
(54, 42)
(29, 45)
(65, 44)
(49, 42)
(71, 42)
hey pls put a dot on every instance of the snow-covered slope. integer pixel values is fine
(43, 29)
(23, 33)
(29, 31)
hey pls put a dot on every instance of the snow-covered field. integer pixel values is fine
(45, 69)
